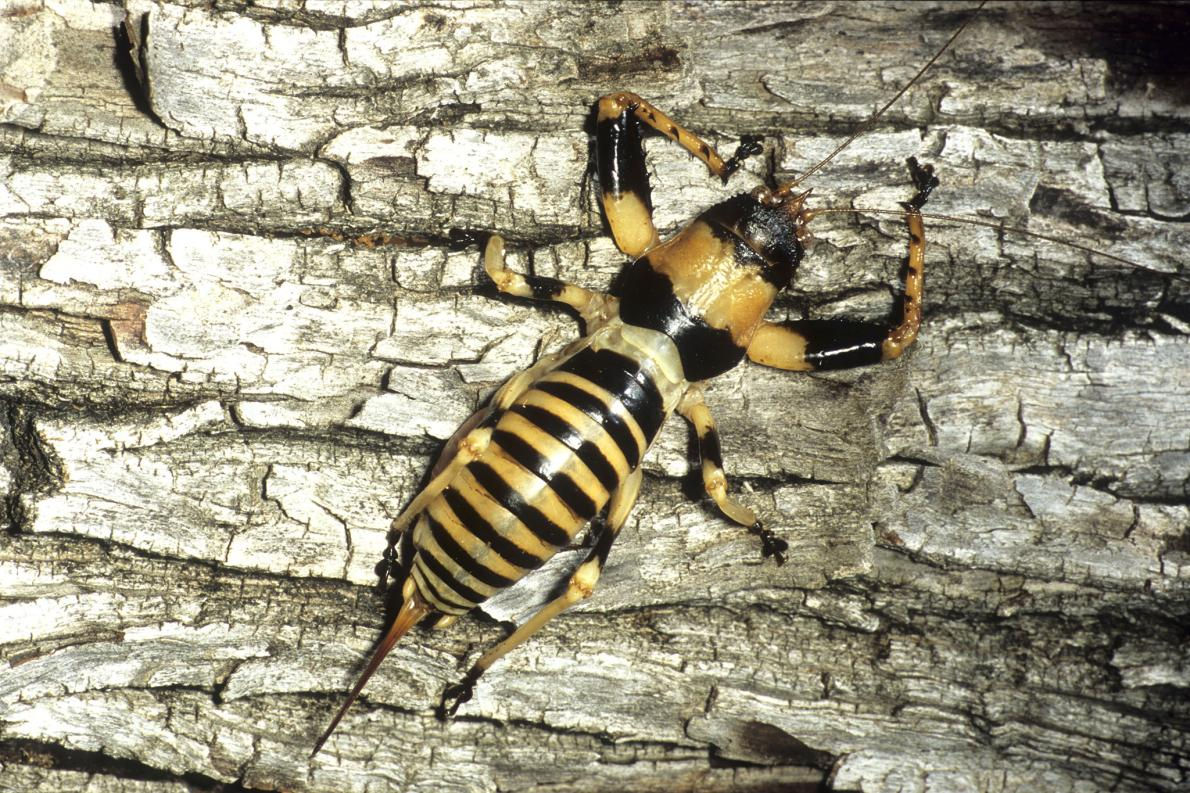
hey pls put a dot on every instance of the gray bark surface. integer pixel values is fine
(234, 334)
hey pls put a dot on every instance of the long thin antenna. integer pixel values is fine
(412, 610)
(867, 125)
(998, 227)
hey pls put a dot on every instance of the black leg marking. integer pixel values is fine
(456, 695)
(545, 288)
(771, 544)
(924, 181)
(749, 145)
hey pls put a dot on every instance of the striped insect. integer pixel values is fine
(561, 443)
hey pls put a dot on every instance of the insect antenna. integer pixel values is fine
(412, 611)
(809, 214)
(788, 187)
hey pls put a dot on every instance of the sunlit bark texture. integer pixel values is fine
(236, 325)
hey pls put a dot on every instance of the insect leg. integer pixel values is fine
(624, 499)
(694, 409)
(580, 586)
(470, 447)
(587, 303)
(810, 344)
(623, 178)
(500, 401)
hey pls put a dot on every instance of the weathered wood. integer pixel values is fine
(218, 392)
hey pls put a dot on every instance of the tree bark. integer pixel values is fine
(235, 329)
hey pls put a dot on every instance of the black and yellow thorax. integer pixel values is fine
(709, 287)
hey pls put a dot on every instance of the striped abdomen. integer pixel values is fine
(554, 460)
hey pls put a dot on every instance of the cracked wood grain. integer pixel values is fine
(234, 331)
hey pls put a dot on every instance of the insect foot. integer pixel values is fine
(454, 696)
(770, 543)
(924, 181)
(750, 145)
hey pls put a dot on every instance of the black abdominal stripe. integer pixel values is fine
(554, 459)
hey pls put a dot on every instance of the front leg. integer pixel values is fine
(623, 178)
(818, 344)
(694, 409)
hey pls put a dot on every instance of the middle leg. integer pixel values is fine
(694, 409)
(589, 304)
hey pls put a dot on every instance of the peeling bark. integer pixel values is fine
(234, 332)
